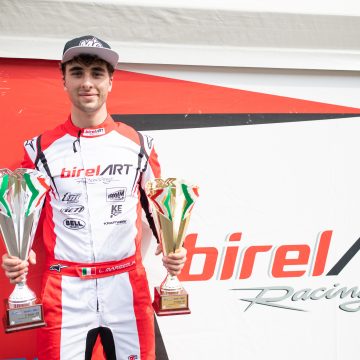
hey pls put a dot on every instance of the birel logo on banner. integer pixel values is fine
(283, 264)
(112, 169)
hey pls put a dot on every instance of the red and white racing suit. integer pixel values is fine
(92, 233)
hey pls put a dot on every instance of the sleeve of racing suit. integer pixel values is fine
(151, 170)
(29, 154)
(26, 162)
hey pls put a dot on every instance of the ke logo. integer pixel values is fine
(116, 210)
(282, 262)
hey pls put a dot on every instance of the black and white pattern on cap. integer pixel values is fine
(91, 42)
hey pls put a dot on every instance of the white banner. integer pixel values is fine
(278, 209)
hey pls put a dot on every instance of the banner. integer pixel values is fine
(273, 240)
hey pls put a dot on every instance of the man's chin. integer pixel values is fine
(89, 109)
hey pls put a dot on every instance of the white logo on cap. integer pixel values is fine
(91, 42)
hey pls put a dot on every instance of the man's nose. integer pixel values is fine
(87, 81)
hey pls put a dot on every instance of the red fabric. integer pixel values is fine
(144, 313)
(51, 298)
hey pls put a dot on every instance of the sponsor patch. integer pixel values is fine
(71, 198)
(70, 210)
(30, 143)
(115, 194)
(111, 169)
(115, 222)
(57, 267)
(97, 180)
(93, 132)
(74, 224)
(116, 210)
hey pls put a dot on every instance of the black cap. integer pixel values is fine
(89, 45)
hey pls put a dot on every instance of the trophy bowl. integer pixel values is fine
(172, 201)
(22, 195)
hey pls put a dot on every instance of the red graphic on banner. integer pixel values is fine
(278, 258)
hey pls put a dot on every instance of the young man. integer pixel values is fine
(95, 282)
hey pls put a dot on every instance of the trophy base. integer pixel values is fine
(171, 304)
(24, 317)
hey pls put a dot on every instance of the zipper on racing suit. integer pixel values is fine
(88, 210)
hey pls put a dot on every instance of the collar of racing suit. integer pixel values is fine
(93, 131)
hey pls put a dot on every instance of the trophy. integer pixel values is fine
(22, 194)
(172, 201)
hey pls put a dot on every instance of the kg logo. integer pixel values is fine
(115, 194)
(74, 224)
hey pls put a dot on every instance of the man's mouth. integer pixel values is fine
(87, 94)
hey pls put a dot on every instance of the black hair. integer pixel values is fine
(87, 60)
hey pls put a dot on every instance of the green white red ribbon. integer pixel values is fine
(5, 206)
(12, 184)
(173, 199)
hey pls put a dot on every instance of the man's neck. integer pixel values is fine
(85, 120)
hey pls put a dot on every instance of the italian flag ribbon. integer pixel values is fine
(173, 198)
(3, 192)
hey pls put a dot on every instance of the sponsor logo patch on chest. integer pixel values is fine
(93, 132)
(71, 198)
(115, 194)
(111, 169)
(74, 224)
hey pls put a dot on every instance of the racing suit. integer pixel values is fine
(92, 231)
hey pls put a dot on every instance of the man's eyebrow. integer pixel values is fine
(75, 68)
(98, 68)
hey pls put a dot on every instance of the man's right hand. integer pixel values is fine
(15, 269)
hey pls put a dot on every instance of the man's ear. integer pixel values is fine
(64, 83)
(110, 87)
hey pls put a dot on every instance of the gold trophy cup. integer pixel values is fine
(172, 201)
(22, 194)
